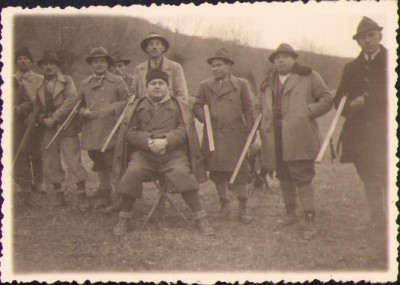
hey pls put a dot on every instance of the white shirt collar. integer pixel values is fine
(372, 55)
(282, 78)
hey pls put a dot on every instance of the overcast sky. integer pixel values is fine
(321, 27)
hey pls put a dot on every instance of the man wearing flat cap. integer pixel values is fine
(30, 81)
(158, 140)
(364, 136)
(231, 110)
(155, 46)
(291, 98)
(56, 97)
(104, 96)
(118, 67)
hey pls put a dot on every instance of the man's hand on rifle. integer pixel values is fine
(106, 113)
(90, 115)
(49, 122)
(357, 104)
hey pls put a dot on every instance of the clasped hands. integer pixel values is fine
(158, 146)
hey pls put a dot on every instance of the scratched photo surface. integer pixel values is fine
(235, 142)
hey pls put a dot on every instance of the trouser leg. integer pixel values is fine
(222, 189)
(192, 200)
(53, 170)
(306, 196)
(288, 191)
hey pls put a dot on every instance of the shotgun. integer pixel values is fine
(66, 122)
(210, 134)
(331, 129)
(245, 149)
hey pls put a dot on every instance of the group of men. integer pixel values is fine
(157, 139)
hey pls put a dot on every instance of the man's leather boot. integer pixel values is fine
(83, 202)
(202, 224)
(225, 210)
(244, 216)
(59, 198)
(113, 208)
(124, 224)
(310, 230)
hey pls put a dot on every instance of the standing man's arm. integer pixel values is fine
(122, 97)
(180, 86)
(199, 101)
(323, 98)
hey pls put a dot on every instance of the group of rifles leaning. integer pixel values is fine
(157, 139)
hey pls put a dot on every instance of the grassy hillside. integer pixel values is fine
(72, 38)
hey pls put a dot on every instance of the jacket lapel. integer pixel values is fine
(227, 87)
(292, 81)
(59, 85)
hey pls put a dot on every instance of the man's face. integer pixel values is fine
(99, 65)
(220, 68)
(157, 89)
(119, 68)
(284, 62)
(369, 41)
(49, 68)
(24, 64)
(155, 48)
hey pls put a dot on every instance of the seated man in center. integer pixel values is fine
(158, 140)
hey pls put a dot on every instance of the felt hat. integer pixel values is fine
(117, 57)
(49, 55)
(221, 53)
(23, 51)
(366, 24)
(153, 36)
(98, 52)
(283, 48)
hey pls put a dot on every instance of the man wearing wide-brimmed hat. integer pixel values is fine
(155, 46)
(56, 97)
(291, 98)
(118, 67)
(30, 81)
(230, 102)
(104, 96)
(364, 136)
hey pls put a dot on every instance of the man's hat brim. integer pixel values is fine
(143, 44)
(210, 60)
(366, 30)
(274, 54)
(90, 58)
(125, 61)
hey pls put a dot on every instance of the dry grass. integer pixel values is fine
(61, 240)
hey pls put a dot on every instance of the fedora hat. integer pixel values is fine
(221, 53)
(153, 36)
(117, 57)
(283, 48)
(49, 55)
(97, 52)
(23, 51)
(366, 24)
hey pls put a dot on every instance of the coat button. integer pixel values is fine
(102, 88)
(366, 79)
(102, 99)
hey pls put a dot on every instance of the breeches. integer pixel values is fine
(297, 175)
(70, 149)
(102, 161)
(144, 166)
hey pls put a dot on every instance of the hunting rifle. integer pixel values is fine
(245, 149)
(66, 122)
(210, 134)
(331, 129)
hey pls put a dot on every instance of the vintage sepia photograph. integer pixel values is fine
(230, 142)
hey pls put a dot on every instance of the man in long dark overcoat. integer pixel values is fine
(364, 137)
(231, 112)
(158, 140)
(291, 98)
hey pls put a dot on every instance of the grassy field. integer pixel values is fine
(50, 239)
